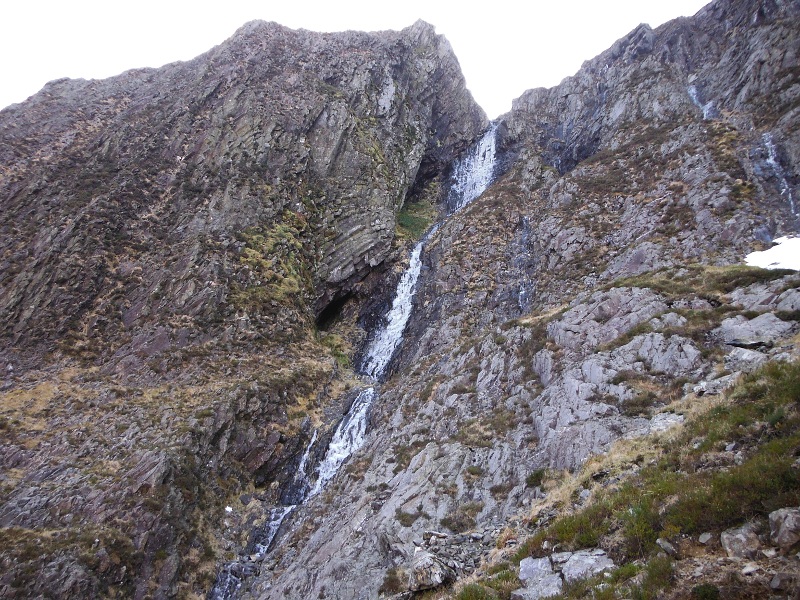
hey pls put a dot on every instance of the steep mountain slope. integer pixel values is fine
(193, 257)
(168, 240)
(590, 287)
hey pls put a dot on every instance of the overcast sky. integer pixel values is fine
(504, 49)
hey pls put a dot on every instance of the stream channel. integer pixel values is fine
(472, 174)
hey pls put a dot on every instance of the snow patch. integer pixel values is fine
(784, 255)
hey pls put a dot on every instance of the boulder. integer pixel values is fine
(763, 330)
(586, 563)
(534, 569)
(667, 547)
(784, 527)
(789, 300)
(744, 360)
(544, 588)
(741, 542)
(539, 578)
(428, 572)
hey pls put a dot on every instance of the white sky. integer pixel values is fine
(504, 49)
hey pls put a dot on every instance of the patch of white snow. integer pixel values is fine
(784, 255)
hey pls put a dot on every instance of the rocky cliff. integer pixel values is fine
(170, 238)
(580, 300)
(193, 257)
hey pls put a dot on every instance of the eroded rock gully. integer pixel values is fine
(170, 237)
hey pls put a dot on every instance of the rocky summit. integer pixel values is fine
(294, 320)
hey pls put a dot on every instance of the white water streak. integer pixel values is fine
(348, 438)
(388, 338)
(473, 173)
(707, 108)
(276, 518)
(777, 169)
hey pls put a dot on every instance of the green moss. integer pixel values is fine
(414, 219)
(339, 349)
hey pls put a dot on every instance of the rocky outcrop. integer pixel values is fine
(576, 299)
(168, 239)
(238, 192)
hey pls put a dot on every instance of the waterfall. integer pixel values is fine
(472, 174)
(387, 339)
(708, 108)
(348, 438)
(777, 169)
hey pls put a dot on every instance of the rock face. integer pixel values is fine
(575, 298)
(191, 257)
(168, 239)
(258, 181)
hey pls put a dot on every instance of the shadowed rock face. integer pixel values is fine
(132, 198)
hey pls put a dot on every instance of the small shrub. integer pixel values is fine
(463, 517)
(393, 582)
(475, 591)
(406, 519)
(657, 576)
(501, 490)
(535, 478)
(705, 591)
(504, 582)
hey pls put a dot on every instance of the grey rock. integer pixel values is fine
(764, 329)
(789, 300)
(427, 572)
(586, 563)
(673, 355)
(668, 320)
(604, 316)
(705, 538)
(667, 547)
(784, 527)
(560, 558)
(741, 542)
(549, 585)
(744, 360)
(532, 570)
(716, 386)
(782, 581)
